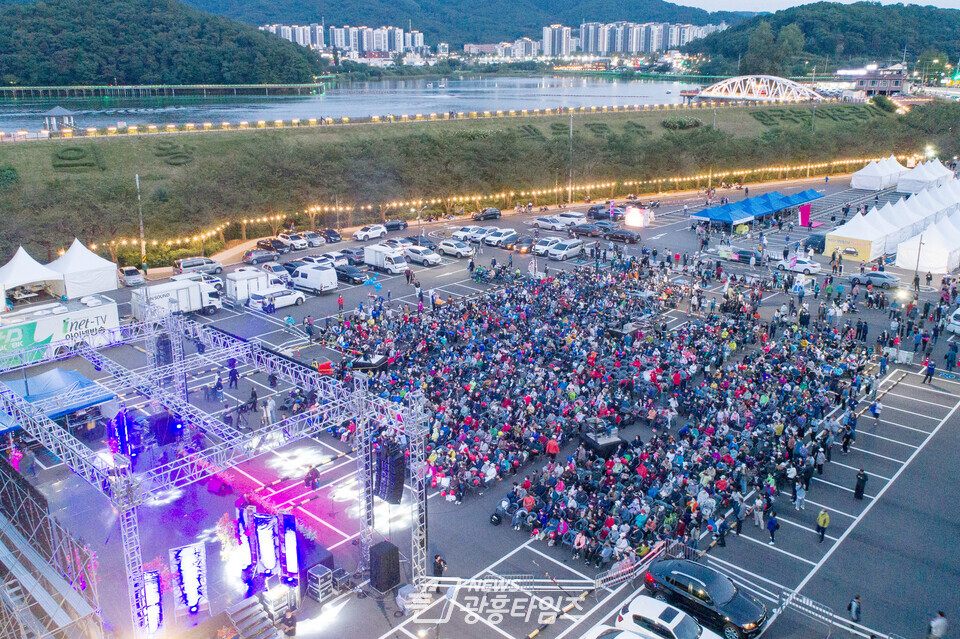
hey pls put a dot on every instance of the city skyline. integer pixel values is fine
(777, 5)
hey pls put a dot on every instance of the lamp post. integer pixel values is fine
(916, 271)
(143, 243)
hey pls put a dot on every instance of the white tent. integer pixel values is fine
(23, 270)
(84, 272)
(904, 216)
(894, 168)
(938, 253)
(870, 178)
(941, 171)
(857, 238)
(890, 232)
(927, 204)
(921, 177)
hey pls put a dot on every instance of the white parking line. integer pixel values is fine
(914, 399)
(597, 607)
(909, 412)
(831, 509)
(560, 563)
(916, 430)
(928, 388)
(470, 613)
(747, 572)
(830, 483)
(887, 439)
(774, 547)
(862, 450)
(780, 517)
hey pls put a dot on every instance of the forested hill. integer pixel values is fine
(861, 31)
(460, 21)
(140, 42)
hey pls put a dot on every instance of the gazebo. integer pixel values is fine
(58, 118)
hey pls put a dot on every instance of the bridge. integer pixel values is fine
(763, 88)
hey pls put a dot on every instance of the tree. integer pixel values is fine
(789, 43)
(761, 51)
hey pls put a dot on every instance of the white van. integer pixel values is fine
(565, 249)
(281, 296)
(316, 279)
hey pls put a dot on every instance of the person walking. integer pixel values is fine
(938, 626)
(861, 484)
(823, 522)
(439, 567)
(772, 526)
(855, 608)
(801, 495)
(758, 511)
(875, 408)
(741, 515)
(340, 302)
(234, 378)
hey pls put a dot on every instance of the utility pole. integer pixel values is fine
(570, 186)
(143, 242)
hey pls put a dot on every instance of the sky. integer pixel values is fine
(775, 5)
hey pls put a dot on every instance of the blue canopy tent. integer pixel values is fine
(710, 215)
(47, 386)
(8, 423)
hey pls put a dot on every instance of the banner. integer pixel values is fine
(804, 210)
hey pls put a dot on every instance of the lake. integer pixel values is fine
(352, 99)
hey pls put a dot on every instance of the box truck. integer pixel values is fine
(384, 258)
(86, 319)
(243, 283)
(185, 297)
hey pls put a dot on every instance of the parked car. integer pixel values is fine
(423, 240)
(369, 232)
(274, 269)
(273, 244)
(953, 325)
(455, 248)
(499, 237)
(293, 265)
(799, 265)
(336, 258)
(589, 230)
(606, 225)
(350, 275)
(313, 239)
(817, 242)
(198, 276)
(482, 232)
(316, 259)
(880, 279)
(294, 241)
(395, 225)
(651, 618)
(421, 255)
(571, 218)
(398, 243)
(281, 296)
(603, 213)
(489, 213)
(330, 235)
(257, 256)
(565, 250)
(197, 265)
(130, 276)
(711, 597)
(623, 235)
(354, 255)
(543, 245)
(520, 244)
(317, 279)
(463, 233)
(549, 222)
(603, 631)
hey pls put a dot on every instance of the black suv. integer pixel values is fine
(817, 242)
(708, 596)
(273, 244)
(331, 236)
(488, 214)
(424, 241)
(395, 225)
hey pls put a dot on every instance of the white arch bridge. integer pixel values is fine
(767, 88)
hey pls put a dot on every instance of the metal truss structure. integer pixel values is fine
(765, 88)
(226, 446)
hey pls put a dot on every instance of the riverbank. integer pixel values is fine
(202, 187)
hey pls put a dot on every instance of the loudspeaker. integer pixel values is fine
(391, 469)
(217, 487)
(384, 566)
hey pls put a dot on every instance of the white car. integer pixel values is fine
(199, 276)
(650, 618)
(294, 241)
(571, 218)
(280, 296)
(130, 276)
(276, 270)
(313, 239)
(603, 631)
(481, 233)
(543, 245)
(370, 232)
(421, 255)
(336, 258)
(455, 248)
(799, 265)
(464, 232)
(317, 259)
(550, 222)
(565, 249)
(500, 238)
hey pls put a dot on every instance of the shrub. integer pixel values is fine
(9, 177)
(884, 103)
(681, 124)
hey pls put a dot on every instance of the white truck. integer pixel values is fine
(86, 319)
(384, 258)
(185, 297)
(241, 284)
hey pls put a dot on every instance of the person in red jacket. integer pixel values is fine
(553, 449)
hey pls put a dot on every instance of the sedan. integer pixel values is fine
(256, 256)
(350, 274)
(293, 240)
(551, 223)
(607, 226)
(880, 279)
(498, 238)
(488, 214)
(280, 297)
(650, 618)
(482, 232)
(421, 255)
(543, 246)
(603, 631)
(799, 265)
(273, 244)
(395, 225)
(520, 244)
(337, 258)
(589, 230)
(398, 243)
(276, 270)
(130, 276)
(711, 597)
(313, 239)
(623, 235)
(354, 255)
(463, 233)
(455, 248)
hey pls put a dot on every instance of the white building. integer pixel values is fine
(525, 48)
(556, 41)
(590, 37)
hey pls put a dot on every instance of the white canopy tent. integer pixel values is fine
(941, 171)
(84, 272)
(894, 168)
(936, 250)
(872, 177)
(857, 238)
(923, 176)
(927, 204)
(906, 217)
(879, 218)
(22, 270)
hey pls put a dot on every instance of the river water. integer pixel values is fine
(352, 99)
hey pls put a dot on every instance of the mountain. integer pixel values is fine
(140, 42)
(860, 31)
(460, 21)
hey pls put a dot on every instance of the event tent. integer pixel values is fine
(879, 218)
(894, 167)
(939, 251)
(23, 269)
(923, 176)
(84, 272)
(872, 177)
(47, 386)
(857, 238)
(754, 207)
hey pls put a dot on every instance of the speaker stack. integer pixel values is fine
(390, 470)
(384, 566)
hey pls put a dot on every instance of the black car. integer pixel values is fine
(350, 274)
(273, 244)
(602, 212)
(607, 226)
(521, 244)
(354, 255)
(624, 235)
(293, 265)
(590, 230)
(329, 235)
(395, 225)
(744, 255)
(817, 242)
(424, 241)
(488, 214)
(709, 596)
